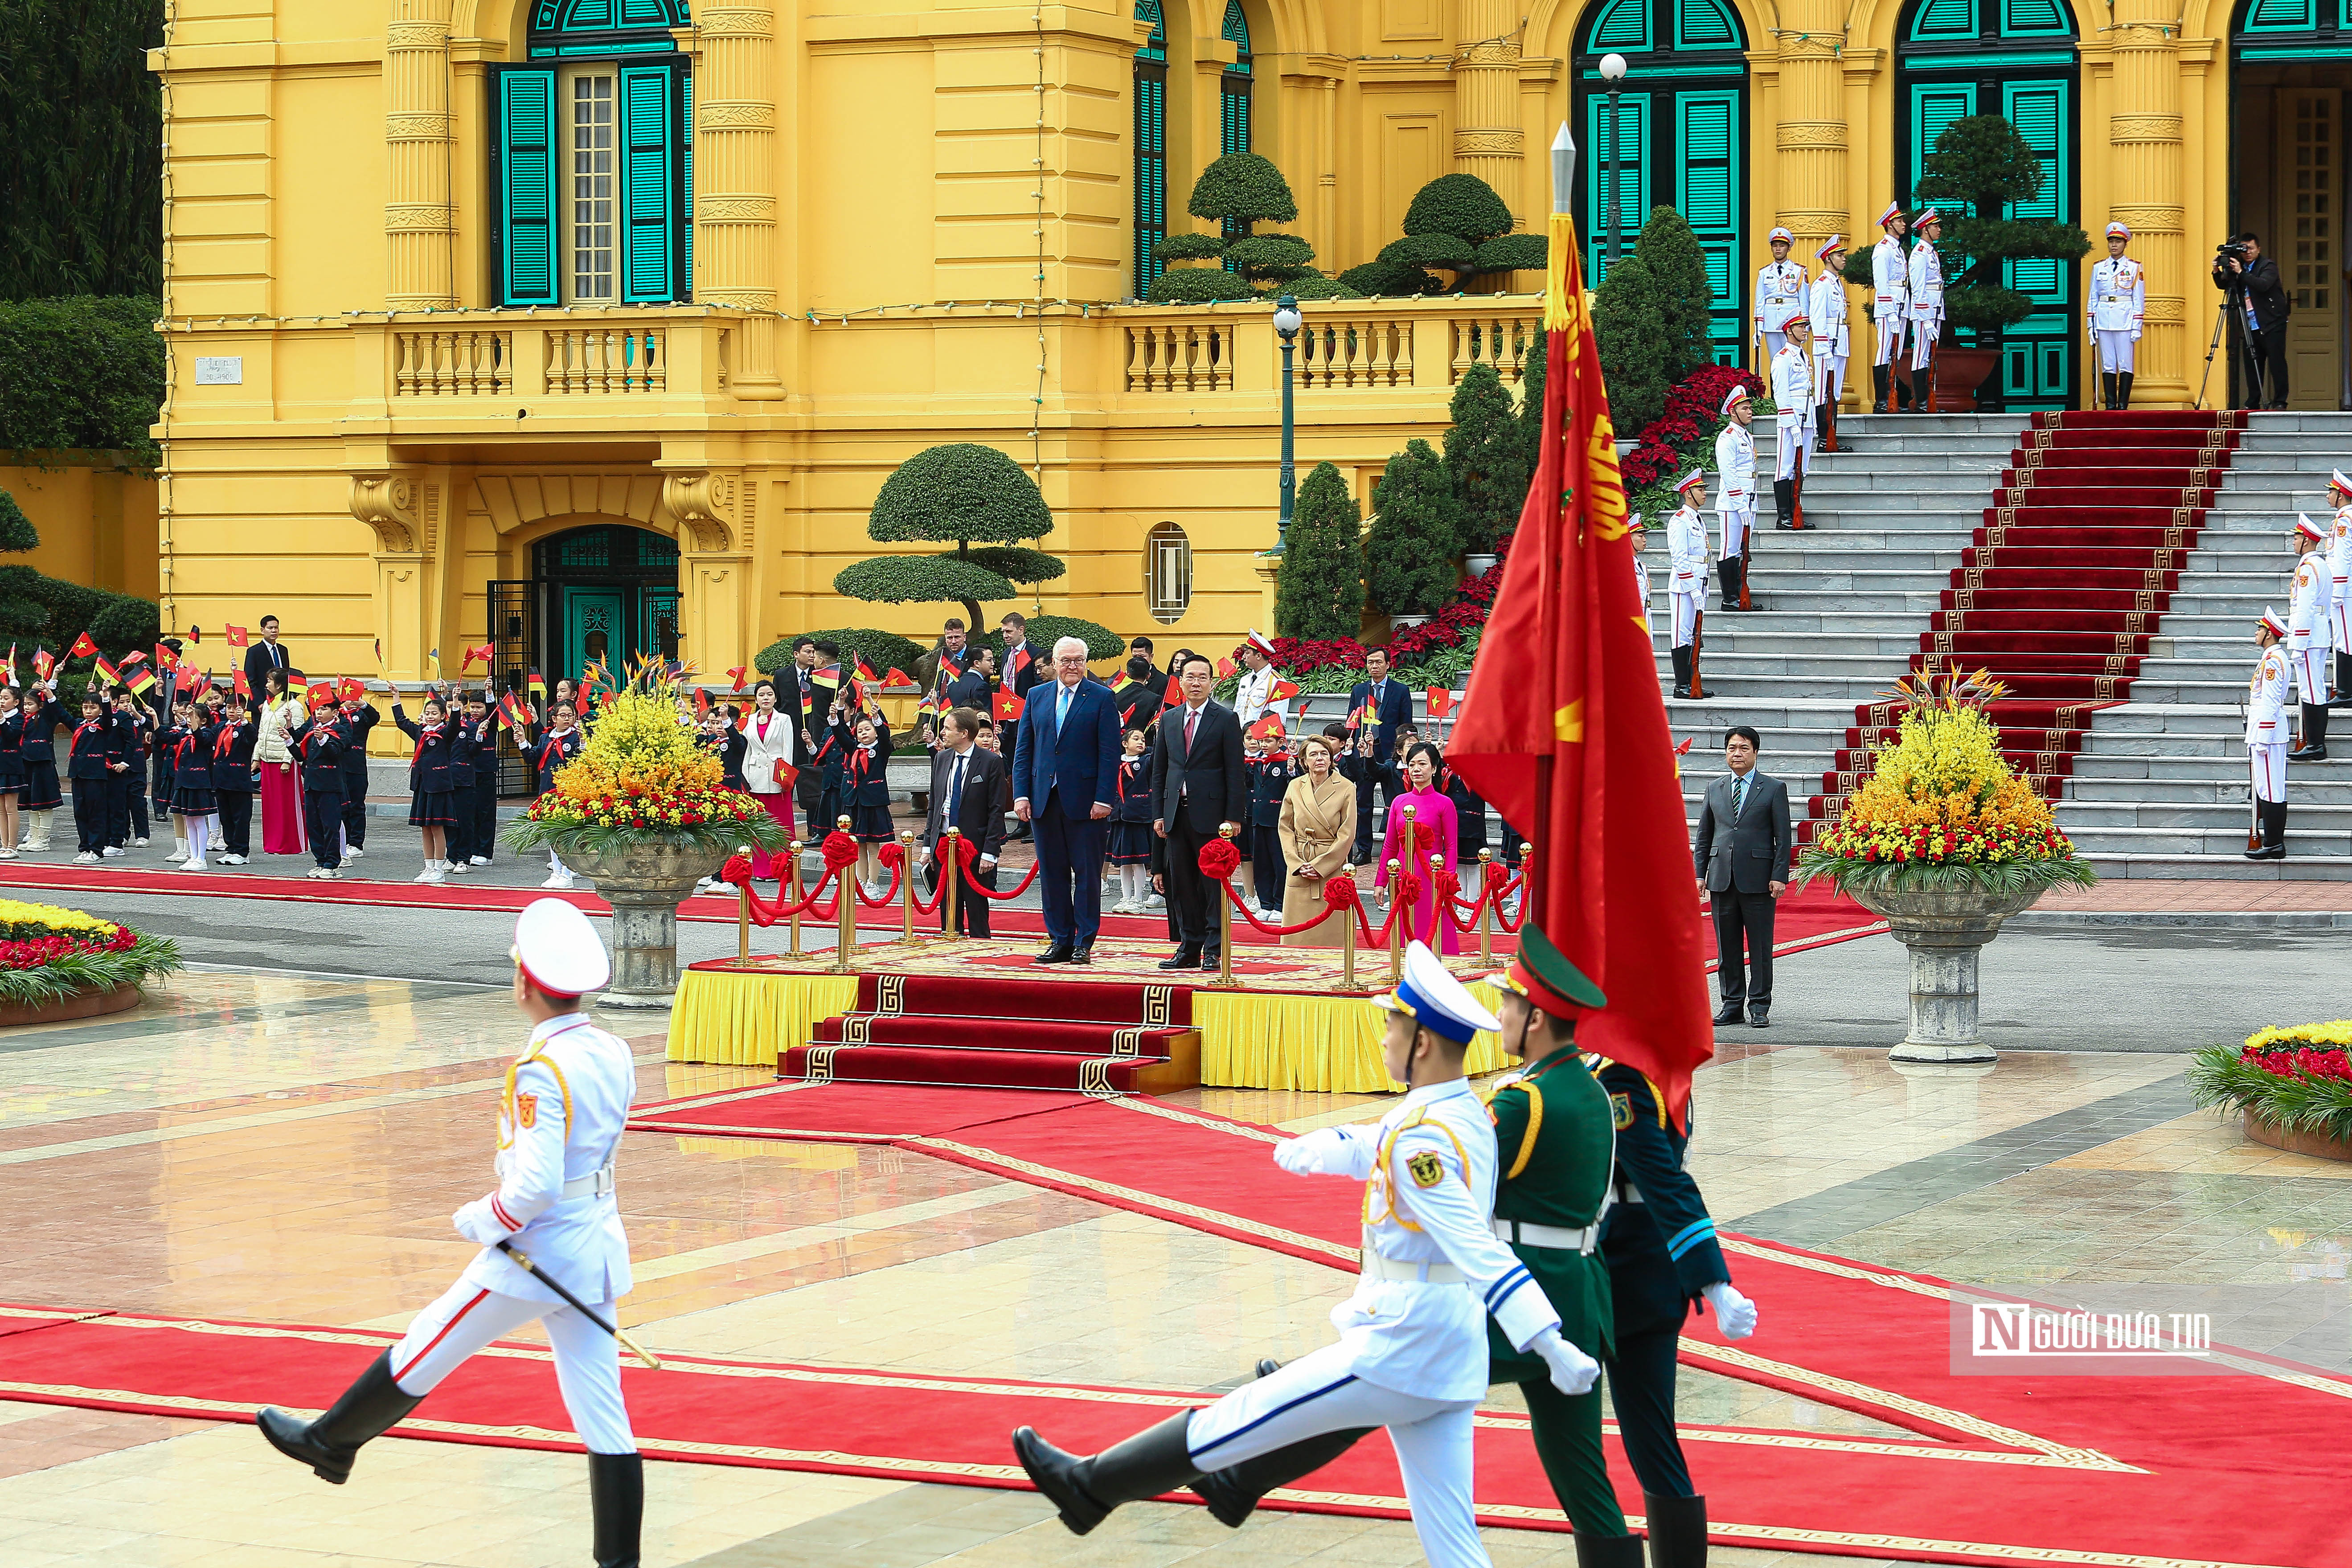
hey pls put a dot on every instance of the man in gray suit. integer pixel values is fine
(1743, 852)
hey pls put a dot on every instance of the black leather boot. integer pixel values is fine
(1677, 1530)
(1233, 1492)
(1724, 580)
(2123, 389)
(1784, 504)
(2273, 830)
(1682, 671)
(1739, 595)
(1608, 1551)
(329, 1446)
(2343, 683)
(2314, 735)
(616, 1489)
(2106, 389)
(1880, 376)
(1153, 1461)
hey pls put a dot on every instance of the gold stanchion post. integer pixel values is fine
(845, 941)
(952, 846)
(743, 921)
(1396, 950)
(795, 852)
(1347, 919)
(1224, 921)
(1434, 937)
(907, 876)
(1486, 906)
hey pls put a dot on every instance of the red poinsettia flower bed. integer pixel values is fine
(1670, 444)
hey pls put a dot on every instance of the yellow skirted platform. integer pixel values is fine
(1323, 1039)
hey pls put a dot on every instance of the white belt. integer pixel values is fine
(598, 1181)
(1378, 1267)
(1627, 1192)
(1556, 1236)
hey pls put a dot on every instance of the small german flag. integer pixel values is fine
(106, 671)
(536, 685)
(143, 681)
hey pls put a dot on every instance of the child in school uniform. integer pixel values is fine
(233, 780)
(1269, 782)
(12, 767)
(41, 716)
(477, 808)
(318, 748)
(93, 757)
(1129, 855)
(357, 716)
(557, 744)
(866, 791)
(430, 774)
(192, 801)
(161, 776)
(128, 787)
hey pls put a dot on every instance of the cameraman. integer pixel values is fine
(2260, 304)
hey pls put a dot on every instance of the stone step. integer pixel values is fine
(2230, 839)
(2075, 814)
(2317, 790)
(2201, 767)
(1738, 636)
(2229, 865)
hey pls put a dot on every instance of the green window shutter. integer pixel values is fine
(1633, 186)
(1706, 147)
(1944, 20)
(651, 182)
(523, 158)
(2282, 16)
(1623, 24)
(2040, 110)
(1707, 25)
(2032, 18)
(685, 186)
(1933, 108)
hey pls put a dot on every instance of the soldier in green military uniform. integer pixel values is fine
(1555, 1144)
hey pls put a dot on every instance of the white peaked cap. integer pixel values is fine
(2335, 477)
(1432, 998)
(1779, 233)
(1695, 476)
(559, 949)
(2304, 525)
(1261, 642)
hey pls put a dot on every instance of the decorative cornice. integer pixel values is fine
(2146, 127)
(386, 502)
(704, 504)
(404, 36)
(738, 115)
(2150, 218)
(2164, 308)
(419, 218)
(735, 209)
(1495, 54)
(412, 127)
(735, 21)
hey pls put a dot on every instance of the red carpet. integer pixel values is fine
(2058, 590)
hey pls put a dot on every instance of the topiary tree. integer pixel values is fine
(1625, 318)
(1681, 291)
(1044, 631)
(1318, 589)
(1981, 167)
(1237, 192)
(954, 494)
(1456, 221)
(885, 651)
(1485, 458)
(1416, 535)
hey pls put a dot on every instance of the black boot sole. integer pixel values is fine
(292, 1438)
(1079, 1512)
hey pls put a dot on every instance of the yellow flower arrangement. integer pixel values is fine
(20, 922)
(48, 954)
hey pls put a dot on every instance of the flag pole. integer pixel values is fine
(1534, 903)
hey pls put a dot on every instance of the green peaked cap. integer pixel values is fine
(1542, 968)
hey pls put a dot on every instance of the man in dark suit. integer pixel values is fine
(976, 688)
(1065, 773)
(264, 656)
(1153, 681)
(1742, 853)
(972, 791)
(1199, 785)
(2255, 297)
(1023, 667)
(808, 704)
(1388, 702)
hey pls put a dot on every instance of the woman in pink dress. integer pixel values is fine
(1433, 811)
(767, 744)
(273, 758)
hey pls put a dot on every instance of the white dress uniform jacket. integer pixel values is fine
(559, 1124)
(1828, 317)
(763, 751)
(2339, 567)
(1641, 587)
(1250, 696)
(1890, 280)
(1926, 288)
(2118, 295)
(1429, 1200)
(1779, 294)
(2266, 700)
(2307, 618)
(1734, 473)
(1686, 548)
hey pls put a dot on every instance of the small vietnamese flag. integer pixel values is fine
(44, 661)
(1175, 696)
(1441, 702)
(898, 679)
(165, 658)
(487, 653)
(1022, 658)
(1226, 669)
(348, 689)
(243, 687)
(133, 657)
(236, 634)
(737, 675)
(1008, 706)
(11, 674)
(702, 701)
(1268, 728)
(83, 648)
(1281, 691)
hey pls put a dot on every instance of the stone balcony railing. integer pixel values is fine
(1346, 344)
(443, 367)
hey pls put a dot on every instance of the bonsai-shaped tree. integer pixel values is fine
(1416, 535)
(1486, 458)
(954, 494)
(1319, 590)
(1982, 166)
(1239, 191)
(1626, 319)
(1676, 271)
(1458, 223)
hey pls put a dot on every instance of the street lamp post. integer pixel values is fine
(1286, 323)
(1612, 71)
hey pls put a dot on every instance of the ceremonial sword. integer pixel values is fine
(580, 1307)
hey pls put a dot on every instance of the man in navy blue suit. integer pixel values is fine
(1390, 703)
(1065, 773)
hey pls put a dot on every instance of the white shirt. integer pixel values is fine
(1250, 697)
(1735, 468)
(1429, 1197)
(1890, 278)
(1792, 387)
(559, 1120)
(1779, 294)
(2118, 295)
(1686, 547)
(2266, 700)
(1926, 283)
(1641, 587)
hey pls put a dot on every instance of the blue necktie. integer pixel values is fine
(955, 791)
(1738, 795)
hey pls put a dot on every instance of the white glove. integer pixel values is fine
(1734, 1314)
(1572, 1372)
(478, 1225)
(1326, 1152)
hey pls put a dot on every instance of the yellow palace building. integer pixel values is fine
(591, 327)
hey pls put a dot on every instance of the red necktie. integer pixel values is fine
(1191, 722)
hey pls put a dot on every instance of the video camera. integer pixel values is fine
(2229, 250)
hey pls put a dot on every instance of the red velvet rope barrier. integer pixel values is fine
(765, 914)
(897, 870)
(967, 853)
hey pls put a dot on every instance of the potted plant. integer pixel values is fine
(1979, 170)
(2293, 1087)
(640, 809)
(58, 964)
(1945, 841)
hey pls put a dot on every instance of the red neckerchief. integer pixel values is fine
(551, 750)
(424, 733)
(84, 727)
(314, 732)
(1128, 766)
(860, 764)
(227, 739)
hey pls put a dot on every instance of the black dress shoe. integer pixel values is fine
(1209, 960)
(1056, 953)
(1082, 955)
(1728, 1013)
(1760, 1017)
(1185, 957)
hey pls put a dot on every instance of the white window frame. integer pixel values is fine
(577, 227)
(1168, 572)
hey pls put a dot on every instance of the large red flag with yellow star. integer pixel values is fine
(1564, 729)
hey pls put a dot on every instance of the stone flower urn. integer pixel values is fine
(644, 883)
(1943, 929)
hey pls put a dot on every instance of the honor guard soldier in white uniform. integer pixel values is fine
(2118, 301)
(560, 1121)
(1831, 343)
(1254, 691)
(2266, 697)
(1638, 532)
(2339, 564)
(1927, 307)
(1412, 1348)
(1792, 390)
(1779, 294)
(1735, 508)
(1890, 306)
(1686, 589)
(2308, 624)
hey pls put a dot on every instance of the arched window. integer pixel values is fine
(1166, 573)
(1233, 86)
(1681, 125)
(2014, 59)
(1151, 147)
(591, 160)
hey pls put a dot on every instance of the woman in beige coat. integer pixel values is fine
(1317, 828)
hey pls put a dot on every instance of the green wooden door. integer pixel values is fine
(596, 630)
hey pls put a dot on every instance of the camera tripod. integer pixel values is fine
(2253, 360)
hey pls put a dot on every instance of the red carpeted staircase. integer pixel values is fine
(1098, 1038)
(2078, 556)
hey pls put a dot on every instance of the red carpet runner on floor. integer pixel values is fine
(2056, 597)
(990, 1029)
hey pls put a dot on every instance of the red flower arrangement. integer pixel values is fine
(1669, 444)
(1219, 860)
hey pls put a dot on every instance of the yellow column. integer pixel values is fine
(1487, 141)
(2146, 133)
(735, 178)
(417, 218)
(1811, 136)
